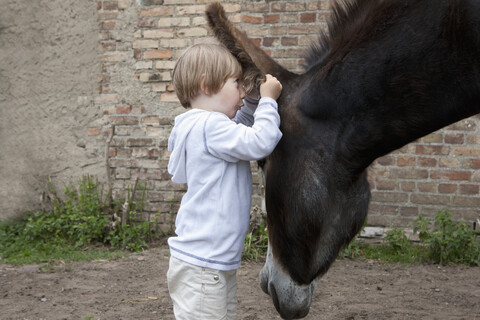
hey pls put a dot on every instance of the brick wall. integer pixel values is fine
(439, 171)
(140, 42)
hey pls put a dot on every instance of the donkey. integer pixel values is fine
(385, 73)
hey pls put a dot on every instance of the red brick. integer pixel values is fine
(451, 175)
(123, 109)
(447, 188)
(454, 138)
(300, 29)
(93, 131)
(308, 17)
(270, 41)
(405, 161)
(251, 19)
(156, 12)
(475, 163)
(408, 173)
(469, 189)
(385, 185)
(271, 18)
(427, 187)
(158, 54)
(123, 120)
(289, 41)
(386, 161)
(426, 162)
(432, 150)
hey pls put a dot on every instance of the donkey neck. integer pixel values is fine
(406, 106)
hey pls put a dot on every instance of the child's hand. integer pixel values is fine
(271, 88)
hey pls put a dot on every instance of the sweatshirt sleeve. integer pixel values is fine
(232, 142)
(245, 115)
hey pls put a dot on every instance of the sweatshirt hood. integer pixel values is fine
(177, 143)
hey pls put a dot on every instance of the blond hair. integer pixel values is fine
(208, 64)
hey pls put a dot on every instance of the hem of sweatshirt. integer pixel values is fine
(203, 262)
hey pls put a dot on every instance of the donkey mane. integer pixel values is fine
(346, 18)
(356, 22)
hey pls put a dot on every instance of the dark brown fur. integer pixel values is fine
(387, 72)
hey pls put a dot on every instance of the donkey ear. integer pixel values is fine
(254, 61)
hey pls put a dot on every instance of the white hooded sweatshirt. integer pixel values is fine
(211, 154)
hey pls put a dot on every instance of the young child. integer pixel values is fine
(211, 146)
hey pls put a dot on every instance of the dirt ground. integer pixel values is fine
(135, 288)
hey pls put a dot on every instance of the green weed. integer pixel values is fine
(449, 241)
(354, 249)
(256, 240)
(83, 220)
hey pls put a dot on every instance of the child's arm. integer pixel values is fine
(231, 142)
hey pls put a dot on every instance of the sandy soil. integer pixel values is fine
(135, 288)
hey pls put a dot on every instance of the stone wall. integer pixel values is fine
(48, 75)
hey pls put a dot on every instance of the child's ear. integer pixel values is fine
(202, 85)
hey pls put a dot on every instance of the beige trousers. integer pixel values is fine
(202, 293)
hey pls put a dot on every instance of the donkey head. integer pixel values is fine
(375, 82)
(314, 205)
